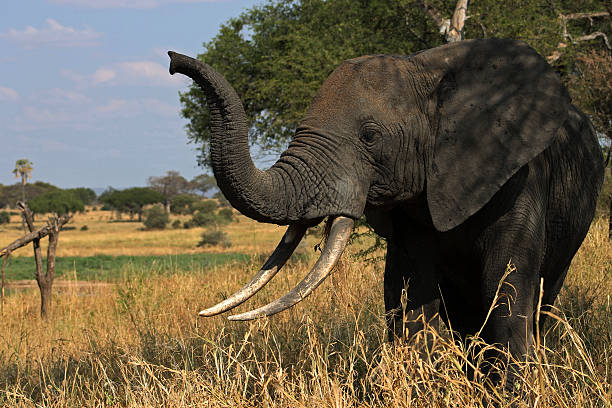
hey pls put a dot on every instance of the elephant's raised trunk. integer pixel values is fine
(261, 195)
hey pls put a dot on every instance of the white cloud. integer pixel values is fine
(136, 4)
(144, 73)
(149, 71)
(130, 108)
(53, 34)
(103, 75)
(59, 109)
(57, 96)
(8, 94)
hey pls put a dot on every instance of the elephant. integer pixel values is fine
(464, 157)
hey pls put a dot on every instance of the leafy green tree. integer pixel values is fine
(169, 186)
(131, 200)
(183, 204)
(59, 202)
(13, 193)
(276, 55)
(86, 195)
(203, 183)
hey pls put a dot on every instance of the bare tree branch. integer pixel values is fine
(451, 29)
(29, 218)
(459, 16)
(38, 234)
(442, 23)
(564, 18)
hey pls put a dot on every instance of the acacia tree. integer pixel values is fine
(170, 185)
(203, 183)
(131, 200)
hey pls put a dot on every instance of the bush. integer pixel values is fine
(214, 237)
(156, 218)
(184, 204)
(226, 214)
(207, 206)
(221, 199)
(188, 224)
(84, 228)
(5, 217)
(176, 224)
(203, 219)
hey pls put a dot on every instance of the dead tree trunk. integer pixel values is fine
(45, 282)
(3, 284)
(450, 28)
(29, 218)
(52, 229)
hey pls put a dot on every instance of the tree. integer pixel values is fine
(131, 200)
(277, 55)
(183, 204)
(59, 202)
(13, 193)
(203, 183)
(169, 186)
(86, 195)
(23, 170)
(52, 229)
(290, 48)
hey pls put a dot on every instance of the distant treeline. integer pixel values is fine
(9, 195)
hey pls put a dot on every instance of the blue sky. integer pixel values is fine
(85, 92)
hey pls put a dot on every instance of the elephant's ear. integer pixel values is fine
(496, 104)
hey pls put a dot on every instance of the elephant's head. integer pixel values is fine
(451, 124)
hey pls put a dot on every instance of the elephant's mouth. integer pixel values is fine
(339, 234)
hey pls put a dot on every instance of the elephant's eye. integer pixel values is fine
(369, 134)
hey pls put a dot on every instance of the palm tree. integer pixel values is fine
(23, 169)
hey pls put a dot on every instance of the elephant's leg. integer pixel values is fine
(411, 289)
(517, 240)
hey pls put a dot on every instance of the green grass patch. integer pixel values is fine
(114, 268)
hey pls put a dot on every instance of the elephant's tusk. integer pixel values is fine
(283, 251)
(336, 242)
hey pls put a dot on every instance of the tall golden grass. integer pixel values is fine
(141, 344)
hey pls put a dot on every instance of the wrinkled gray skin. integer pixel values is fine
(464, 157)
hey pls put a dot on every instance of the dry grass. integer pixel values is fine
(141, 344)
(129, 238)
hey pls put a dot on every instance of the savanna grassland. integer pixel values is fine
(134, 338)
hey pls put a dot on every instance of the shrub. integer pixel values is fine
(207, 206)
(221, 199)
(176, 224)
(5, 217)
(183, 204)
(203, 219)
(214, 237)
(188, 224)
(226, 214)
(156, 218)
(84, 228)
